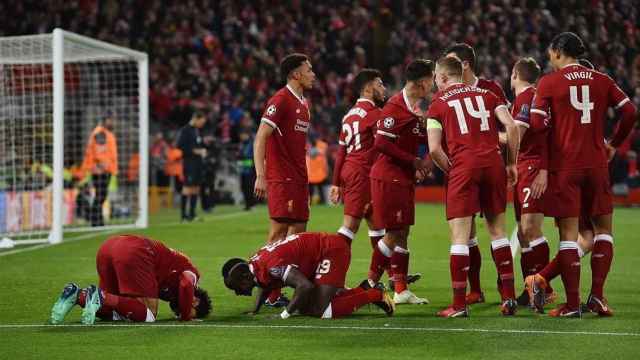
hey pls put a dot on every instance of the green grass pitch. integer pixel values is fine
(30, 281)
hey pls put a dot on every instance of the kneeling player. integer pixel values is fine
(315, 265)
(136, 272)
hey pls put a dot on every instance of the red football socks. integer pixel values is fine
(400, 268)
(347, 302)
(601, 258)
(540, 249)
(570, 272)
(527, 263)
(380, 260)
(475, 261)
(501, 251)
(459, 267)
(126, 307)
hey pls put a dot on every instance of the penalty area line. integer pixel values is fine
(313, 327)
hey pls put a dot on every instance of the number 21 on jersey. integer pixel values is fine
(352, 134)
(481, 113)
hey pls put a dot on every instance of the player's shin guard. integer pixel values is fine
(346, 303)
(459, 267)
(601, 263)
(128, 308)
(501, 251)
(475, 261)
(380, 260)
(400, 268)
(570, 272)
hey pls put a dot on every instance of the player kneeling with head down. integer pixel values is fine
(315, 265)
(136, 272)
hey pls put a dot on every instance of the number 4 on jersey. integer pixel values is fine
(481, 113)
(585, 106)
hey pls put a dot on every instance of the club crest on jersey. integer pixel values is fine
(271, 110)
(388, 122)
(524, 112)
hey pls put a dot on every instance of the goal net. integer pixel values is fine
(73, 137)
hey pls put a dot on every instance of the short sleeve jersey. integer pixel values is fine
(533, 144)
(467, 116)
(400, 124)
(271, 264)
(289, 116)
(357, 136)
(575, 99)
(494, 87)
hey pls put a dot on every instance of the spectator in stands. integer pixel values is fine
(318, 170)
(159, 150)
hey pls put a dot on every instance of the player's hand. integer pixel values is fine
(611, 151)
(421, 175)
(539, 185)
(335, 194)
(512, 175)
(423, 164)
(260, 187)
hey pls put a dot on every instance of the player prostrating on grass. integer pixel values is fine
(399, 135)
(280, 154)
(528, 200)
(135, 273)
(466, 54)
(315, 265)
(577, 100)
(467, 117)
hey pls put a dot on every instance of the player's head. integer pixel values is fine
(201, 307)
(526, 71)
(368, 83)
(448, 71)
(198, 119)
(565, 48)
(238, 277)
(419, 73)
(465, 53)
(297, 67)
(586, 63)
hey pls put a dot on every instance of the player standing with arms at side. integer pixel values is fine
(577, 99)
(279, 153)
(528, 201)
(466, 54)
(193, 154)
(400, 132)
(476, 177)
(356, 154)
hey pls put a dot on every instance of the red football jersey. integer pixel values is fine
(271, 264)
(169, 265)
(358, 131)
(576, 100)
(286, 147)
(398, 122)
(533, 144)
(467, 116)
(492, 86)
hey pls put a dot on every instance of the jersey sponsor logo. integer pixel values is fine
(271, 110)
(302, 126)
(388, 122)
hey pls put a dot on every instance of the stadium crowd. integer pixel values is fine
(222, 57)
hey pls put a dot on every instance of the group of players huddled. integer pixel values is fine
(556, 161)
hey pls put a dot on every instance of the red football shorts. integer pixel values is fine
(393, 205)
(356, 194)
(578, 192)
(288, 202)
(523, 202)
(334, 262)
(470, 191)
(125, 267)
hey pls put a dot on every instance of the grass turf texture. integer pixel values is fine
(31, 281)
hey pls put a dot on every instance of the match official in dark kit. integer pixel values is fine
(191, 144)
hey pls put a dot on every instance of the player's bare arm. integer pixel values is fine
(513, 142)
(303, 291)
(259, 151)
(261, 296)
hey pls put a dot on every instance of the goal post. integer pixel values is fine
(56, 92)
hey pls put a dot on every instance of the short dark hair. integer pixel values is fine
(197, 114)
(418, 68)
(203, 309)
(586, 63)
(290, 63)
(364, 77)
(451, 65)
(464, 52)
(569, 44)
(226, 268)
(528, 69)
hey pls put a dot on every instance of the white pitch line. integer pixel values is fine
(312, 327)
